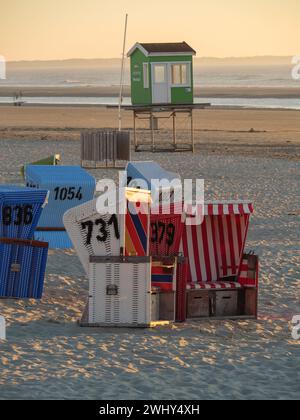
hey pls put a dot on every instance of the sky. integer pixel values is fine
(63, 29)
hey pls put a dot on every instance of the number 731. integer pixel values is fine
(103, 229)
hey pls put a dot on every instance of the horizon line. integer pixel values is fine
(116, 58)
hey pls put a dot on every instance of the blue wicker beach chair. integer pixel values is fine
(146, 171)
(22, 268)
(20, 210)
(69, 186)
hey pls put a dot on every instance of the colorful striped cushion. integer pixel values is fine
(216, 285)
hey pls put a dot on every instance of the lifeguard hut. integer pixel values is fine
(162, 74)
(162, 88)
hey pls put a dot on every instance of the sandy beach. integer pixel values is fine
(242, 154)
(240, 132)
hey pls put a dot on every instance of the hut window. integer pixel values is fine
(159, 74)
(180, 74)
(146, 75)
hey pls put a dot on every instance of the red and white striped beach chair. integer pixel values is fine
(216, 261)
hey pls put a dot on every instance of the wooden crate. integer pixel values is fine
(198, 304)
(226, 303)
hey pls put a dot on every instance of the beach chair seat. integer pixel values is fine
(214, 286)
(22, 268)
(68, 186)
(168, 276)
(20, 210)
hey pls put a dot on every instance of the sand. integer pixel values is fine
(273, 133)
(48, 356)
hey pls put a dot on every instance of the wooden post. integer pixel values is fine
(152, 132)
(174, 130)
(192, 132)
(122, 75)
(134, 131)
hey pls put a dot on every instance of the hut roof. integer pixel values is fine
(152, 49)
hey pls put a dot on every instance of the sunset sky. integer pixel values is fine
(60, 29)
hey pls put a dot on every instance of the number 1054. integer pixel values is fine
(68, 193)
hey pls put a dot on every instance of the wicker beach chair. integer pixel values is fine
(167, 221)
(22, 268)
(217, 272)
(109, 234)
(69, 186)
(82, 224)
(20, 210)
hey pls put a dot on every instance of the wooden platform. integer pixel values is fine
(153, 114)
(165, 107)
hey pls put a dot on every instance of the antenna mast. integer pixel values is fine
(122, 75)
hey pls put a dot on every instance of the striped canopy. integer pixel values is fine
(215, 248)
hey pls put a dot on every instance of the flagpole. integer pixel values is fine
(122, 74)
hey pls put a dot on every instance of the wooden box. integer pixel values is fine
(198, 304)
(226, 303)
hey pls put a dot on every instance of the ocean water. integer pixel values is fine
(260, 103)
(91, 73)
(30, 74)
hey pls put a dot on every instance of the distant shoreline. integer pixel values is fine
(109, 91)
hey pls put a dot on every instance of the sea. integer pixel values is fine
(80, 73)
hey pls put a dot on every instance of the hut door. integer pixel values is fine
(160, 83)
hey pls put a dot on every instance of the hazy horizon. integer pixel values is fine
(31, 30)
(269, 59)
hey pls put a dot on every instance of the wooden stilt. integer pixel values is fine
(174, 130)
(152, 132)
(134, 131)
(192, 131)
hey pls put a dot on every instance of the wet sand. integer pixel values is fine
(107, 91)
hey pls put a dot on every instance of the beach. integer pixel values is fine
(274, 133)
(242, 154)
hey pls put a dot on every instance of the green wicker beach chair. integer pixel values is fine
(49, 161)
